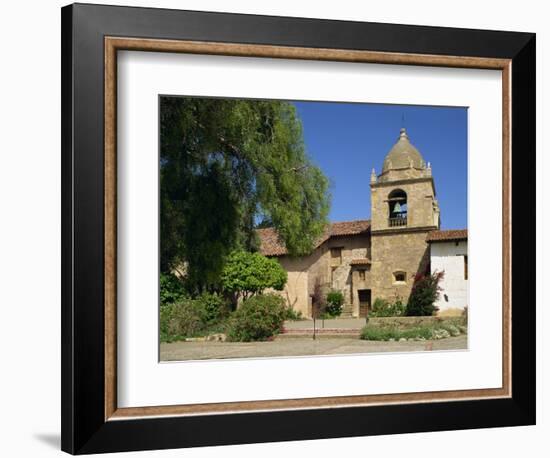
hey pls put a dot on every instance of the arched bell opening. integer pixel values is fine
(397, 203)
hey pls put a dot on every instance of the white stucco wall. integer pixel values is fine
(449, 257)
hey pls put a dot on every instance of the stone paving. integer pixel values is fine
(299, 346)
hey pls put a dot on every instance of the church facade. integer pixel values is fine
(376, 258)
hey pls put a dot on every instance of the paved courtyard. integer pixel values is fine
(299, 346)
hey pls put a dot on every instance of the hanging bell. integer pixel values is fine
(397, 208)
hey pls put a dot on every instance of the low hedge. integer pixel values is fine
(439, 329)
(405, 322)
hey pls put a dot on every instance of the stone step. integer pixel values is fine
(318, 335)
(332, 332)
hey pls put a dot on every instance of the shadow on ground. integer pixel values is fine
(52, 440)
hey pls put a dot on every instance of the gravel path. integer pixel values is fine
(299, 346)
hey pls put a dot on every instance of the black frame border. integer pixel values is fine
(84, 429)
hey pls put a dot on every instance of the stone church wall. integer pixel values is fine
(353, 247)
(405, 252)
(304, 272)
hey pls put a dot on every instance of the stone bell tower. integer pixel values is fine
(403, 210)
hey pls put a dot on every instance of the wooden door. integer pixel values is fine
(364, 302)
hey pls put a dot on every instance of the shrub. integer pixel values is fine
(258, 318)
(440, 333)
(192, 317)
(211, 308)
(171, 289)
(334, 302)
(425, 292)
(181, 320)
(293, 315)
(424, 332)
(165, 317)
(383, 308)
(451, 329)
(437, 330)
(379, 308)
(376, 333)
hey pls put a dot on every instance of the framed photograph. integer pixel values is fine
(282, 229)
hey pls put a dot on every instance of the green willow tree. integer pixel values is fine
(224, 165)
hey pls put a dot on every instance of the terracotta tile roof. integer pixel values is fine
(349, 227)
(447, 236)
(271, 245)
(360, 262)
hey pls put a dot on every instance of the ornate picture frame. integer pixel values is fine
(92, 35)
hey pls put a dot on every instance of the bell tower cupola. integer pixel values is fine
(403, 160)
(403, 195)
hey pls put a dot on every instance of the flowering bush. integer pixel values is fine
(425, 292)
(334, 302)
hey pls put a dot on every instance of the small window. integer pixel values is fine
(399, 277)
(336, 256)
(362, 274)
(465, 267)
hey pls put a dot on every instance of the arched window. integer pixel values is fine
(397, 202)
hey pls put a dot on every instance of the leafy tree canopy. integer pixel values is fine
(246, 273)
(171, 289)
(226, 164)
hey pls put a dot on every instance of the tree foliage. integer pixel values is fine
(318, 300)
(246, 274)
(224, 165)
(171, 289)
(425, 292)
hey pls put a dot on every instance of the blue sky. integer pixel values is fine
(347, 140)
